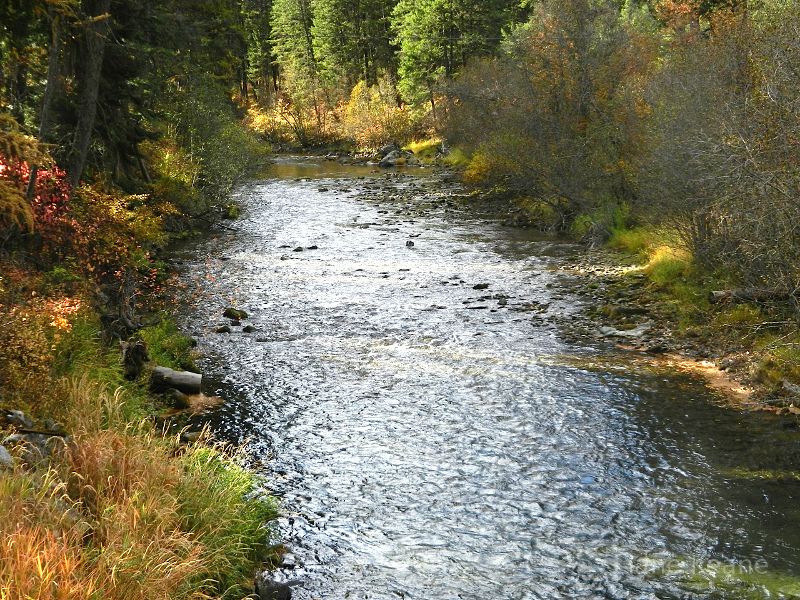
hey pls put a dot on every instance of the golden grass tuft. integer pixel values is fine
(123, 513)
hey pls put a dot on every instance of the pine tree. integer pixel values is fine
(352, 39)
(437, 37)
(262, 69)
(292, 39)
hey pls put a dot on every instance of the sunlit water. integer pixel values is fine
(433, 441)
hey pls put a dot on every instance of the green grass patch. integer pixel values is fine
(739, 316)
(81, 353)
(642, 241)
(217, 505)
(667, 265)
(635, 241)
(456, 158)
(168, 346)
(538, 212)
(780, 361)
(425, 150)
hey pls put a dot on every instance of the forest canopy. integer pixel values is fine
(599, 111)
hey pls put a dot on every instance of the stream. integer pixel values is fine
(433, 441)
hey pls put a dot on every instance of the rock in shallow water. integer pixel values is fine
(234, 314)
(267, 589)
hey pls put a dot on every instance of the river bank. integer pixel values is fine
(97, 497)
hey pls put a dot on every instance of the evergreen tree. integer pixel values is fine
(262, 68)
(352, 39)
(437, 37)
(292, 40)
(293, 45)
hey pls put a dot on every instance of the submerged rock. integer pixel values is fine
(190, 437)
(234, 314)
(289, 561)
(268, 589)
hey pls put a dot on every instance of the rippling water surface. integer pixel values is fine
(433, 441)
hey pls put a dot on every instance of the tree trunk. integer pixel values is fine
(91, 61)
(53, 84)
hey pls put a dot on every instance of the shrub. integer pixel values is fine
(720, 162)
(372, 117)
(204, 151)
(556, 116)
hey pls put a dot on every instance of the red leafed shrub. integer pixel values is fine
(52, 221)
(105, 234)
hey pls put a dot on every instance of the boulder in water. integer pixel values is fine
(234, 314)
(398, 158)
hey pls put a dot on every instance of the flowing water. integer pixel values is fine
(429, 440)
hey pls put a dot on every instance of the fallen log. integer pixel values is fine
(163, 379)
(748, 295)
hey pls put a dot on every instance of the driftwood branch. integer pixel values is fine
(163, 379)
(748, 295)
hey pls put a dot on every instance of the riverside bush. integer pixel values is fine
(122, 512)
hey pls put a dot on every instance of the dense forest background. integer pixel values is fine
(595, 111)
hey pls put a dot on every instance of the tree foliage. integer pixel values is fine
(353, 40)
(437, 37)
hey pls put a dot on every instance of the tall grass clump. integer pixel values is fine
(123, 513)
(217, 503)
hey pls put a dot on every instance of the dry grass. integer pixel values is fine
(125, 514)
